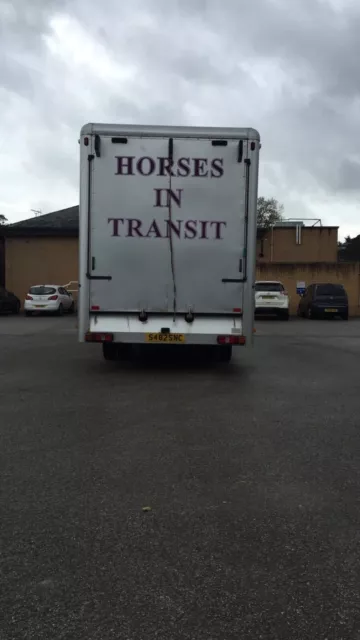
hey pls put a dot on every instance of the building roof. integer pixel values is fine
(63, 219)
(57, 223)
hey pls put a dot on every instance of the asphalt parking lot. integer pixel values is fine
(249, 473)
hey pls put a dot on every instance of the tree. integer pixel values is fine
(349, 250)
(269, 211)
(3, 219)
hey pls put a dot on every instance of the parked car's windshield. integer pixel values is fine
(330, 290)
(42, 291)
(268, 286)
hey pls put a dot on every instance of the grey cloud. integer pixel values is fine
(349, 175)
(196, 56)
(314, 139)
(22, 23)
(311, 33)
(15, 77)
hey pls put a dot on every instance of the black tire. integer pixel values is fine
(16, 309)
(284, 315)
(309, 313)
(110, 351)
(115, 352)
(72, 308)
(28, 314)
(224, 353)
(345, 316)
(60, 310)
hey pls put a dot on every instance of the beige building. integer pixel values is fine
(45, 250)
(297, 244)
(41, 250)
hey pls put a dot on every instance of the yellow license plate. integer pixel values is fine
(331, 310)
(165, 337)
(268, 297)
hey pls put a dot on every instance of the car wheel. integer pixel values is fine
(309, 313)
(109, 351)
(60, 310)
(115, 352)
(28, 314)
(16, 309)
(72, 308)
(224, 353)
(345, 316)
(285, 315)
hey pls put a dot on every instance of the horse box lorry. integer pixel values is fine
(167, 236)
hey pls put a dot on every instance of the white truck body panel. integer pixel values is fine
(167, 226)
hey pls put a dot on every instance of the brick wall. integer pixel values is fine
(30, 261)
(317, 244)
(345, 273)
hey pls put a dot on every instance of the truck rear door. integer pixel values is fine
(209, 256)
(167, 224)
(129, 265)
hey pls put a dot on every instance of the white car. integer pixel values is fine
(271, 297)
(52, 298)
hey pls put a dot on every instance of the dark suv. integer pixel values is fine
(324, 300)
(9, 303)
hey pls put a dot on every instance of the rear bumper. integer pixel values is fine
(272, 309)
(129, 330)
(50, 307)
(327, 309)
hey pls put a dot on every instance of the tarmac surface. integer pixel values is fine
(177, 499)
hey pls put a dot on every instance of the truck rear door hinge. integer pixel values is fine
(119, 140)
(97, 145)
(219, 143)
(90, 277)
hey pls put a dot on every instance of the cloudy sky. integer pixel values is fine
(289, 68)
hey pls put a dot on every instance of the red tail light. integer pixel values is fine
(53, 298)
(98, 337)
(29, 297)
(231, 340)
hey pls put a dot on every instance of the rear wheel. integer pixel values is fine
(28, 314)
(60, 310)
(110, 351)
(72, 308)
(309, 313)
(115, 352)
(284, 315)
(224, 353)
(16, 309)
(345, 316)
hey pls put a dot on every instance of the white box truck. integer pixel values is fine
(167, 236)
